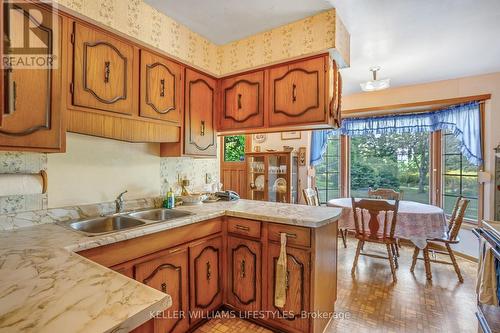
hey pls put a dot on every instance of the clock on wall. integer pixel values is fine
(260, 137)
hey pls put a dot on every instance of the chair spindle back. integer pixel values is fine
(375, 209)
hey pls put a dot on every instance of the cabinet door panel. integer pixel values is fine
(102, 71)
(169, 274)
(199, 132)
(244, 288)
(206, 268)
(161, 84)
(243, 101)
(298, 284)
(31, 113)
(298, 93)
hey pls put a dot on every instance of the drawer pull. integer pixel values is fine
(287, 278)
(202, 128)
(287, 234)
(242, 227)
(243, 273)
(209, 271)
(162, 88)
(294, 92)
(107, 71)
(175, 250)
(164, 287)
(239, 101)
(14, 96)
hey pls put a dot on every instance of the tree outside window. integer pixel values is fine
(234, 148)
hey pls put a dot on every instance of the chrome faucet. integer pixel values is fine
(119, 202)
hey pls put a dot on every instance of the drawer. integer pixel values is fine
(296, 235)
(245, 227)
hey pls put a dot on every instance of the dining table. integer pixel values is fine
(416, 221)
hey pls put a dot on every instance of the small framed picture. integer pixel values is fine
(290, 135)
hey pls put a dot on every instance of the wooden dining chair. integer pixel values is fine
(375, 232)
(311, 195)
(385, 193)
(450, 237)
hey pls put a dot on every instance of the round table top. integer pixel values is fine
(405, 207)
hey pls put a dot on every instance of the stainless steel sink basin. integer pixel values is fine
(106, 224)
(159, 214)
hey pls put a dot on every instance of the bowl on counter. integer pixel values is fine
(193, 199)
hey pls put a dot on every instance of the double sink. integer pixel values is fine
(112, 223)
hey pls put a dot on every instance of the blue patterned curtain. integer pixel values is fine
(464, 121)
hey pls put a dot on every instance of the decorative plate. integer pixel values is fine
(259, 182)
(280, 185)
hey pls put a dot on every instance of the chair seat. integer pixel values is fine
(379, 240)
(444, 239)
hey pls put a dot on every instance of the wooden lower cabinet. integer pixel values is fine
(297, 287)
(205, 265)
(169, 274)
(244, 271)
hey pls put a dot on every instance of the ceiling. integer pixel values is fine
(413, 41)
(224, 21)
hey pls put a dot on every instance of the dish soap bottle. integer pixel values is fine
(170, 199)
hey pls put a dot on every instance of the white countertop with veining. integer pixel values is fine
(46, 287)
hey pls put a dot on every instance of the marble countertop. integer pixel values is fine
(46, 287)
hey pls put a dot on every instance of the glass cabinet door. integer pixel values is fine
(278, 178)
(257, 177)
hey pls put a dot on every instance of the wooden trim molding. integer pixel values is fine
(257, 104)
(254, 263)
(275, 110)
(149, 67)
(87, 45)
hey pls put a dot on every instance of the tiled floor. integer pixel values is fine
(372, 303)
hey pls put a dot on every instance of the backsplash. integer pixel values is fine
(20, 162)
(194, 169)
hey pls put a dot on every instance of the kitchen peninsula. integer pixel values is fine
(223, 254)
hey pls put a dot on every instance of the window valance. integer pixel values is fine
(464, 121)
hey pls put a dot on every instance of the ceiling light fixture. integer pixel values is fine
(375, 84)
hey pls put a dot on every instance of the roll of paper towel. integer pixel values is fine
(19, 183)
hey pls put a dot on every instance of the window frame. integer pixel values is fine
(327, 173)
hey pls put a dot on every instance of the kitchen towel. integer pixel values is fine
(280, 283)
(486, 287)
(21, 184)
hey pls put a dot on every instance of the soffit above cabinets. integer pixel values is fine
(224, 21)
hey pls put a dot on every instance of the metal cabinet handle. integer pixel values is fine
(294, 92)
(209, 271)
(287, 234)
(14, 96)
(162, 88)
(243, 273)
(287, 278)
(239, 101)
(202, 128)
(164, 287)
(242, 227)
(107, 71)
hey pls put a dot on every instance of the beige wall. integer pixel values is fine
(96, 170)
(467, 86)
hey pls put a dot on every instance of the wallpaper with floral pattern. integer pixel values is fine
(314, 34)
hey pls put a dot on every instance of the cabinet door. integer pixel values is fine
(161, 88)
(199, 132)
(205, 263)
(297, 286)
(31, 114)
(169, 273)
(242, 101)
(103, 71)
(297, 93)
(244, 276)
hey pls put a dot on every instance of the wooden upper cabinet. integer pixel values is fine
(103, 71)
(30, 118)
(297, 93)
(161, 88)
(242, 101)
(205, 261)
(169, 274)
(244, 274)
(200, 101)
